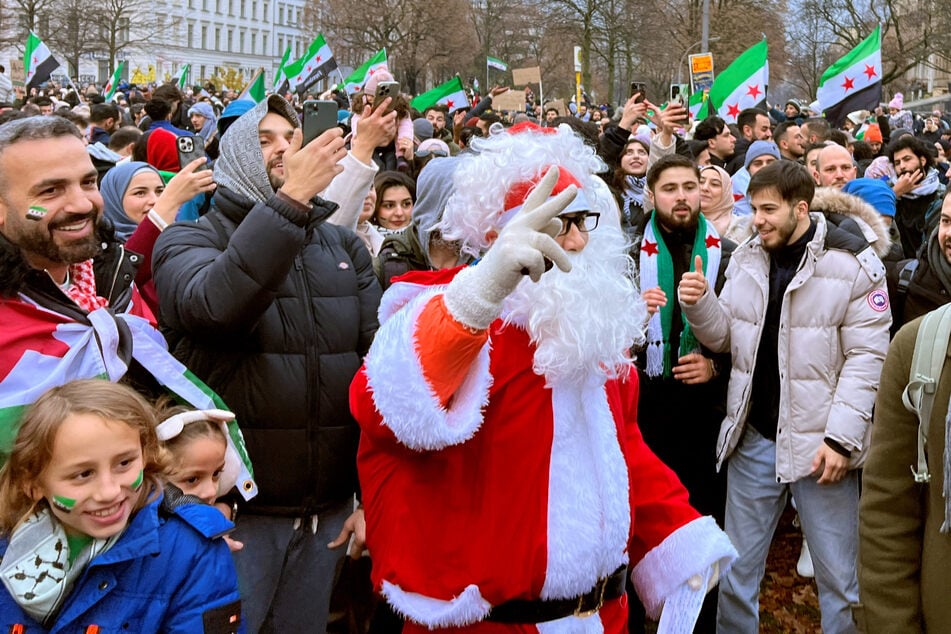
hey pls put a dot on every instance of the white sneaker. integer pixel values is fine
(804, 565)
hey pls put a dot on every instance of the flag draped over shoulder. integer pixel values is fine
(316, 64)
(357, 78)
(110, 88)
(255, 91)
(280, 78)
(38, 62)
(854, 82)
(496, 63)
(47, 349)
(451, 94)
(742, 84)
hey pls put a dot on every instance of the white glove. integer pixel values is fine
(525, 246)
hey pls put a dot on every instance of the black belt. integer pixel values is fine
(539, 611)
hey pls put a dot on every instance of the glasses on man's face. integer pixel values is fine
(585, 221)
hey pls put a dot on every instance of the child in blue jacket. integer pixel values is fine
(89, 542)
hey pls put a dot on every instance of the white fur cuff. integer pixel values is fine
(688, 551)
(469, 302)
(467, 608)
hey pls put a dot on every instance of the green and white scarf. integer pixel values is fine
(657, 269)
(36, 568)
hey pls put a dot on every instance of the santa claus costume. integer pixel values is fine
(505, 481)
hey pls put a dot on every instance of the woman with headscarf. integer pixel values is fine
(140, 205)
(202, 116)
(716, 204)
(629, 180)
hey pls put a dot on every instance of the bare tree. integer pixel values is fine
(422, 38)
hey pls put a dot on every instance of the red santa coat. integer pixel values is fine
(516, 490)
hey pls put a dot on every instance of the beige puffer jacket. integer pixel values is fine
(832, 340)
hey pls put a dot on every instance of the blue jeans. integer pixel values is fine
(286, 574)
(754, 503)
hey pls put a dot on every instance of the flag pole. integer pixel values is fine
(541, 91)
(487, 74)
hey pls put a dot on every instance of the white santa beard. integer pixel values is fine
(584, 322)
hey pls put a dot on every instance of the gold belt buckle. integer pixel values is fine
(599, 588)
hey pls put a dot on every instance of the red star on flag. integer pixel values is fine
(449, 104)
(318, 58)
(753, 91)
(870, 71)
(733, 110)
(713, 242)
(650, 248)
(848, 84)
(309, 67)
(372, 71)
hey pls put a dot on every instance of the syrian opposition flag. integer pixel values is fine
(854, 82)
(254, 91)
(280, 78)
(181, 76)
(43, 349)
(451, 94)
(316, 64)
(742, 85)
(493, 62)
(359, 77)
(114, 82)
(697, 105)
(38, 62)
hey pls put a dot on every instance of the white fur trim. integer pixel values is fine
(690, 550)
(397, 296)
(465, 609)
(573, 625)
(404, 398)
(589, 512)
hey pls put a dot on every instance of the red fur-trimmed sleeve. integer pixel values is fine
(427, 376)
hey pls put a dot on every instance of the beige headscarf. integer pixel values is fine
(721, 213)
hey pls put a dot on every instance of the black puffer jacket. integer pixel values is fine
(275, 312)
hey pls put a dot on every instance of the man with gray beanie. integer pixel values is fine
(274, 308)
(758, 155)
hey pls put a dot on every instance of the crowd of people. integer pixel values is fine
(551, 371)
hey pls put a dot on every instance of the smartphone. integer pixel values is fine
(386, 89)
(191, 147)
(639, 87)
(319, 116)
(678, 99)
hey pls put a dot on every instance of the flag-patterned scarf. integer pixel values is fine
(657, 269)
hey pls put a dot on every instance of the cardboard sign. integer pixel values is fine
(513, 100)
(17, 71)
(523, 76)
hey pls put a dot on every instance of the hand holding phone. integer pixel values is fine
(190, 147)
(386, 89)
(319, 116)
(639, 88)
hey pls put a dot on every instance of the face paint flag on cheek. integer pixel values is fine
(64, 504)
(35, 212)
(137, 483)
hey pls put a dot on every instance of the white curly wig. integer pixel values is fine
(522, 153)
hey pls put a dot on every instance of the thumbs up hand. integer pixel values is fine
(693, 284)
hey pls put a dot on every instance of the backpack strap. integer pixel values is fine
(931, 346)
(906, 274)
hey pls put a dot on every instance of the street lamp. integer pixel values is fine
(683, 58)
